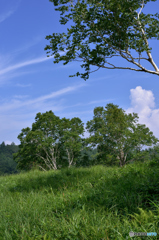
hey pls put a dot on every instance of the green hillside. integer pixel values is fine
(80, 203)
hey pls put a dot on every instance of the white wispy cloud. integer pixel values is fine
(19, 113)
(23, 64)
(91, 103)
(5, 71)
(143, 103)
(15, 104)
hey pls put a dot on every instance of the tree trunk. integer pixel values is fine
(122, 158)
(70, 159)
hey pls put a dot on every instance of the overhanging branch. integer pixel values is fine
(114, 67)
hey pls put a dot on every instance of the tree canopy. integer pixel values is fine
(103, 30)
(51, 142)
(72, 142)
(116, 133)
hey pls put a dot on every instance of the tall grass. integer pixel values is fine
(80, 203)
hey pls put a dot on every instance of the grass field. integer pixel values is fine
(80, 203)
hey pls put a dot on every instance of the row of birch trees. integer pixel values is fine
(53, 143)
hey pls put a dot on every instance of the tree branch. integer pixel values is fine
(50, 163)
(122, 55)
(118, 51)
(42, 168)
(141, 9)
(150, 59)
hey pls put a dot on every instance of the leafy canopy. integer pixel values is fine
(102, 30)
(117, 133)
(50, 142)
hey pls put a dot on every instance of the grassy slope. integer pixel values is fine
(84, 203)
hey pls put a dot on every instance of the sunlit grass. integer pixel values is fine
(80, 203)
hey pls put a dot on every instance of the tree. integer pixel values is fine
(103, 30)
(40, 145)
(50, 142)
(50, 146)
(116, 133)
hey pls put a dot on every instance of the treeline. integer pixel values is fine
(7, 164)
(116, 138)
(87, 158)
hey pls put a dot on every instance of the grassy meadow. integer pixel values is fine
(99, 202)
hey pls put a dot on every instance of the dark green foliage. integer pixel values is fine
(154, 153)
(87, 158)
(151, 154)
(105, 157)
(7, 164)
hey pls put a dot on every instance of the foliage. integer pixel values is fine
(7, 164)
(72, 142)
(148, 155)
(49, 143)
(116, 133)
(87, 157)
(103, 30)
(154, 153)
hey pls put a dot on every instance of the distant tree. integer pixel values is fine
(154, 153)
(116, 133)
(7, 164)
(26, 152)
(2, 146)
(103, 30)
(138, 155)
(87, 157)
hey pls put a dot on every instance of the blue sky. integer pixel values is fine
(31, 83)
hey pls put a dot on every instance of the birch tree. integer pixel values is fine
(117, 133)
(104, 30)
(51, 143)
(41, 144)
